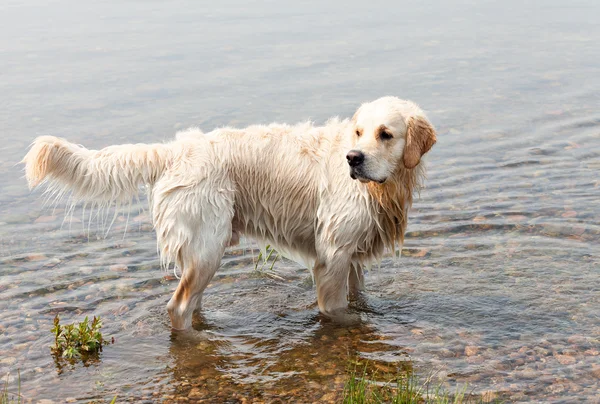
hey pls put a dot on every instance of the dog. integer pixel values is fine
(335, 197)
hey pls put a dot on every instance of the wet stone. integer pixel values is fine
(45, 219)
(118, 268)
(446, 353)
(577, 339)
(416, 331)
(527, 373)
(471, 350)
(556, 388)
(591, 352)
(36, 257)
(328, 398)
(8, 361)
(565, 359)
(195, 393)
(86, 270)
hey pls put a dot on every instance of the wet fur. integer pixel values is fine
(285, 185)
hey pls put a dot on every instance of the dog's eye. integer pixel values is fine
(358, 133)
(385, 136)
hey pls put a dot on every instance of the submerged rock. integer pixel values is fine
(118, 268)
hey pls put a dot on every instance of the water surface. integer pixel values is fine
(497, 286)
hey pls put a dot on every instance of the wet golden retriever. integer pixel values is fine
(335, 197)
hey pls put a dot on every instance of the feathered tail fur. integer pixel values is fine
(113, 174)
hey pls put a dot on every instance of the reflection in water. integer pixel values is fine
(298, 355)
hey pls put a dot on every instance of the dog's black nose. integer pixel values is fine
(355, 158)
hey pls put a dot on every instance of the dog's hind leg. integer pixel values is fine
(193, 226)
(198, 270)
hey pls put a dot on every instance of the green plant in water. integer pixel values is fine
(263, 259)
(403, 388)
(6, 397)
(78, 340)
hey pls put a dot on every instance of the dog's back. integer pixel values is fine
(277, 171)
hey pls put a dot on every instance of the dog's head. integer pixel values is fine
(388, 133)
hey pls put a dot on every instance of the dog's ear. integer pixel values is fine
(420, 137)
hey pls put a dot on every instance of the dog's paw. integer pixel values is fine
(343, 317)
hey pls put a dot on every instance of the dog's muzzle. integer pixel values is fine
(356, 161)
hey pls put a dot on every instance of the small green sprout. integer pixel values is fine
(263, 260)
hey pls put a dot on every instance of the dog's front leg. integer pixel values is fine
(331, 277)
(356, 281)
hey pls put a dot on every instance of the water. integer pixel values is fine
(498, 284)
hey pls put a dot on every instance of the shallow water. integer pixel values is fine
(497, 287)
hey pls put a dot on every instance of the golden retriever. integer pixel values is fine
(335, 197)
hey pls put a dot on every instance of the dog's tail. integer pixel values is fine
(113, 174)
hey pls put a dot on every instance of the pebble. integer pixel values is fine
(565, 359)
(569, 213)
(45, 219)
(195, 393)
(416, 331)
(541, 351)
(527, 373)
(35, 257)
(591, 352)
(326, 372)
(20, 347)
(471, 350)
(556, 388)
(118, 267)
(418, 253)
(475, 359)
(328, 398)
(86, 270)
(8, 361)
(577, 339)
(445, 353)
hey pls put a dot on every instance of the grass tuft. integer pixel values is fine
(403, 388)
(6, 397)
(262, 267)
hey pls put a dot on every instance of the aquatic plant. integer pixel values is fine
(264, 256)
(78, 340)
(402, 388)
(7, 397)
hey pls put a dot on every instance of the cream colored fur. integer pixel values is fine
(289, 186)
